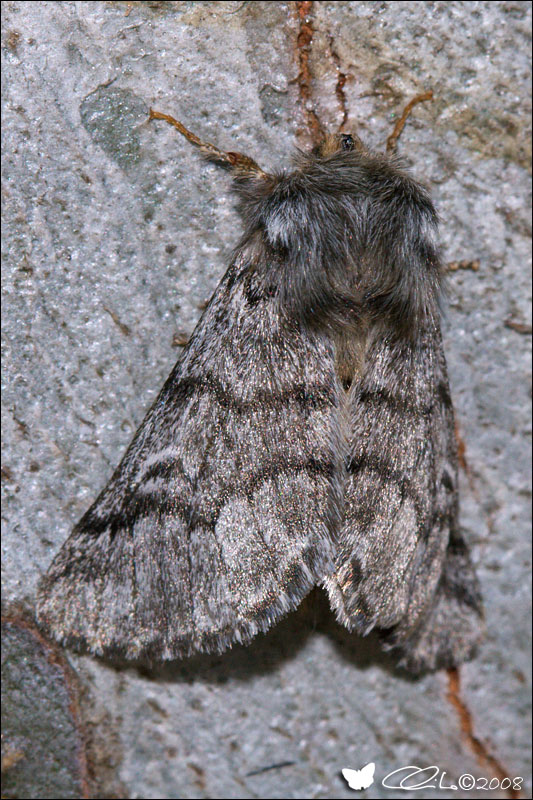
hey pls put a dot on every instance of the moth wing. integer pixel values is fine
(220, 517)
(402, 565)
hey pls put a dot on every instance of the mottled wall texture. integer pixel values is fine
(115, 233)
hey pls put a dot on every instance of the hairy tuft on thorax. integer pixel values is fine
(349, 236)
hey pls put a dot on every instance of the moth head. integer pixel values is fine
(334, 143)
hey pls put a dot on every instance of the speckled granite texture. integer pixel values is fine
(115, 232)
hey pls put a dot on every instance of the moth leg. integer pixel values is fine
(238, 162)
(392, 140)
(180, 339)
(466, 263)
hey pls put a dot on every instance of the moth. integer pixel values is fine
(305, 437)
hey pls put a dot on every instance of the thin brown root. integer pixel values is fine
(479, 748)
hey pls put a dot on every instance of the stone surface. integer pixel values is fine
(115, 232)
(42, 748)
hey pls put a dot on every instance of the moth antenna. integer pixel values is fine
(392, 140)
(238, 162)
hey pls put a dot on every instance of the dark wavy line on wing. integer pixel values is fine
(312, 396)
(141, 505)
(388, 474)
(396, 403)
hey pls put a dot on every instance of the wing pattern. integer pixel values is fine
(221, 516)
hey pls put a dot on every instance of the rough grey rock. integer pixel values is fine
(115, 232)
